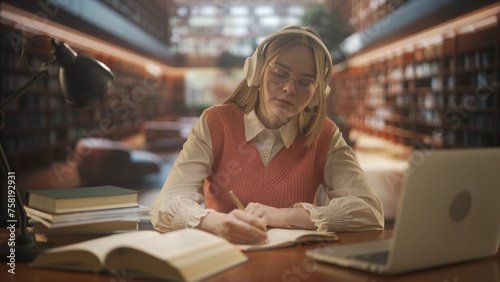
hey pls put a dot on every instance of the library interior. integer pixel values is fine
(409, 77)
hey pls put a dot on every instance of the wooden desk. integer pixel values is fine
(289, 265)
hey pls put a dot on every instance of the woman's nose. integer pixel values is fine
(289, 86)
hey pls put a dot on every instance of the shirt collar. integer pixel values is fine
(253, 126)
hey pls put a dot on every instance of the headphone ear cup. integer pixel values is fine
(253, 68)
(327, 90)
(315, 100)
(248, 70)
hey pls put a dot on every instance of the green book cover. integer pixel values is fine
(82, 199)
(83, 192)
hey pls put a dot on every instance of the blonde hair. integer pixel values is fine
(310, 121)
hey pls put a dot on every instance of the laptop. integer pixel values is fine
(449, 212)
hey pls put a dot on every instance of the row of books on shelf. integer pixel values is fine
(473, 60)
(468, 101)
(39, 139)
(78, 214)
(448, 119)
(17, 122)
(480, 81)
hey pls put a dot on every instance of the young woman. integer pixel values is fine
(271, 143)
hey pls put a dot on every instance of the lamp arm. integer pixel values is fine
(41, 74)
(5, 164)
(22, 217)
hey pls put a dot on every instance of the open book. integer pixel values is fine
(183, 255)
(278, 238)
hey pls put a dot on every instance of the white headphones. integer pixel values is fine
(254, 65)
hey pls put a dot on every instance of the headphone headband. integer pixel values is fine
(296, 31)
(254, 64)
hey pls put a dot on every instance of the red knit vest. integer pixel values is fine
(292, 176)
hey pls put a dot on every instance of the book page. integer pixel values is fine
(279, 237)
(99, 247)
(302, 235)
(191, 252)
(177, 245)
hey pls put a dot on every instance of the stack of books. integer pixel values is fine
(82, 213)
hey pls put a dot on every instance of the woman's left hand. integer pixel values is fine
(281, 217)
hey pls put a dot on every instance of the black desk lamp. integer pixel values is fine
(83, 81)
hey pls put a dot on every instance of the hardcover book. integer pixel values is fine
(183, 255)
(54, 220)
(81, 199)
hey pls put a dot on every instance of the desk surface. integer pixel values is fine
(290, 264)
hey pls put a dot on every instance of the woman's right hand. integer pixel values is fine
(238, 227)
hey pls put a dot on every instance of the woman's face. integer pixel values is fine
(287, 87)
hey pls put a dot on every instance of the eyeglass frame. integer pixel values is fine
(291, 76)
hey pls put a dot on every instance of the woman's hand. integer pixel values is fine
(281, 217)
(238, 227)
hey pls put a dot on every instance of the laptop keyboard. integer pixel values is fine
(378, 257)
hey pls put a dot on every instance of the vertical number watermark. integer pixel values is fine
(11, 222)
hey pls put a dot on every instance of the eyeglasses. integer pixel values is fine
(280, 75)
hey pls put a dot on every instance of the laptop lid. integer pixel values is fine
(449, 210)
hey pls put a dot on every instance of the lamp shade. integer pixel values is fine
(84, 81)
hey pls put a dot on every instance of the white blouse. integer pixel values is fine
(345, 203)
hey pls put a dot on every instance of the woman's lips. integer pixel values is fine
(284, 102)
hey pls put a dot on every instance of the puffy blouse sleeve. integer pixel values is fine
(180, 202)
(352, 205)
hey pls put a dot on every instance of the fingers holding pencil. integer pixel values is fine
(237, 226)
(245, 228)
(252, 226)
(255, 221)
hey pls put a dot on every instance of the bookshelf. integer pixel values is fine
(42, 128)
(441, 91)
